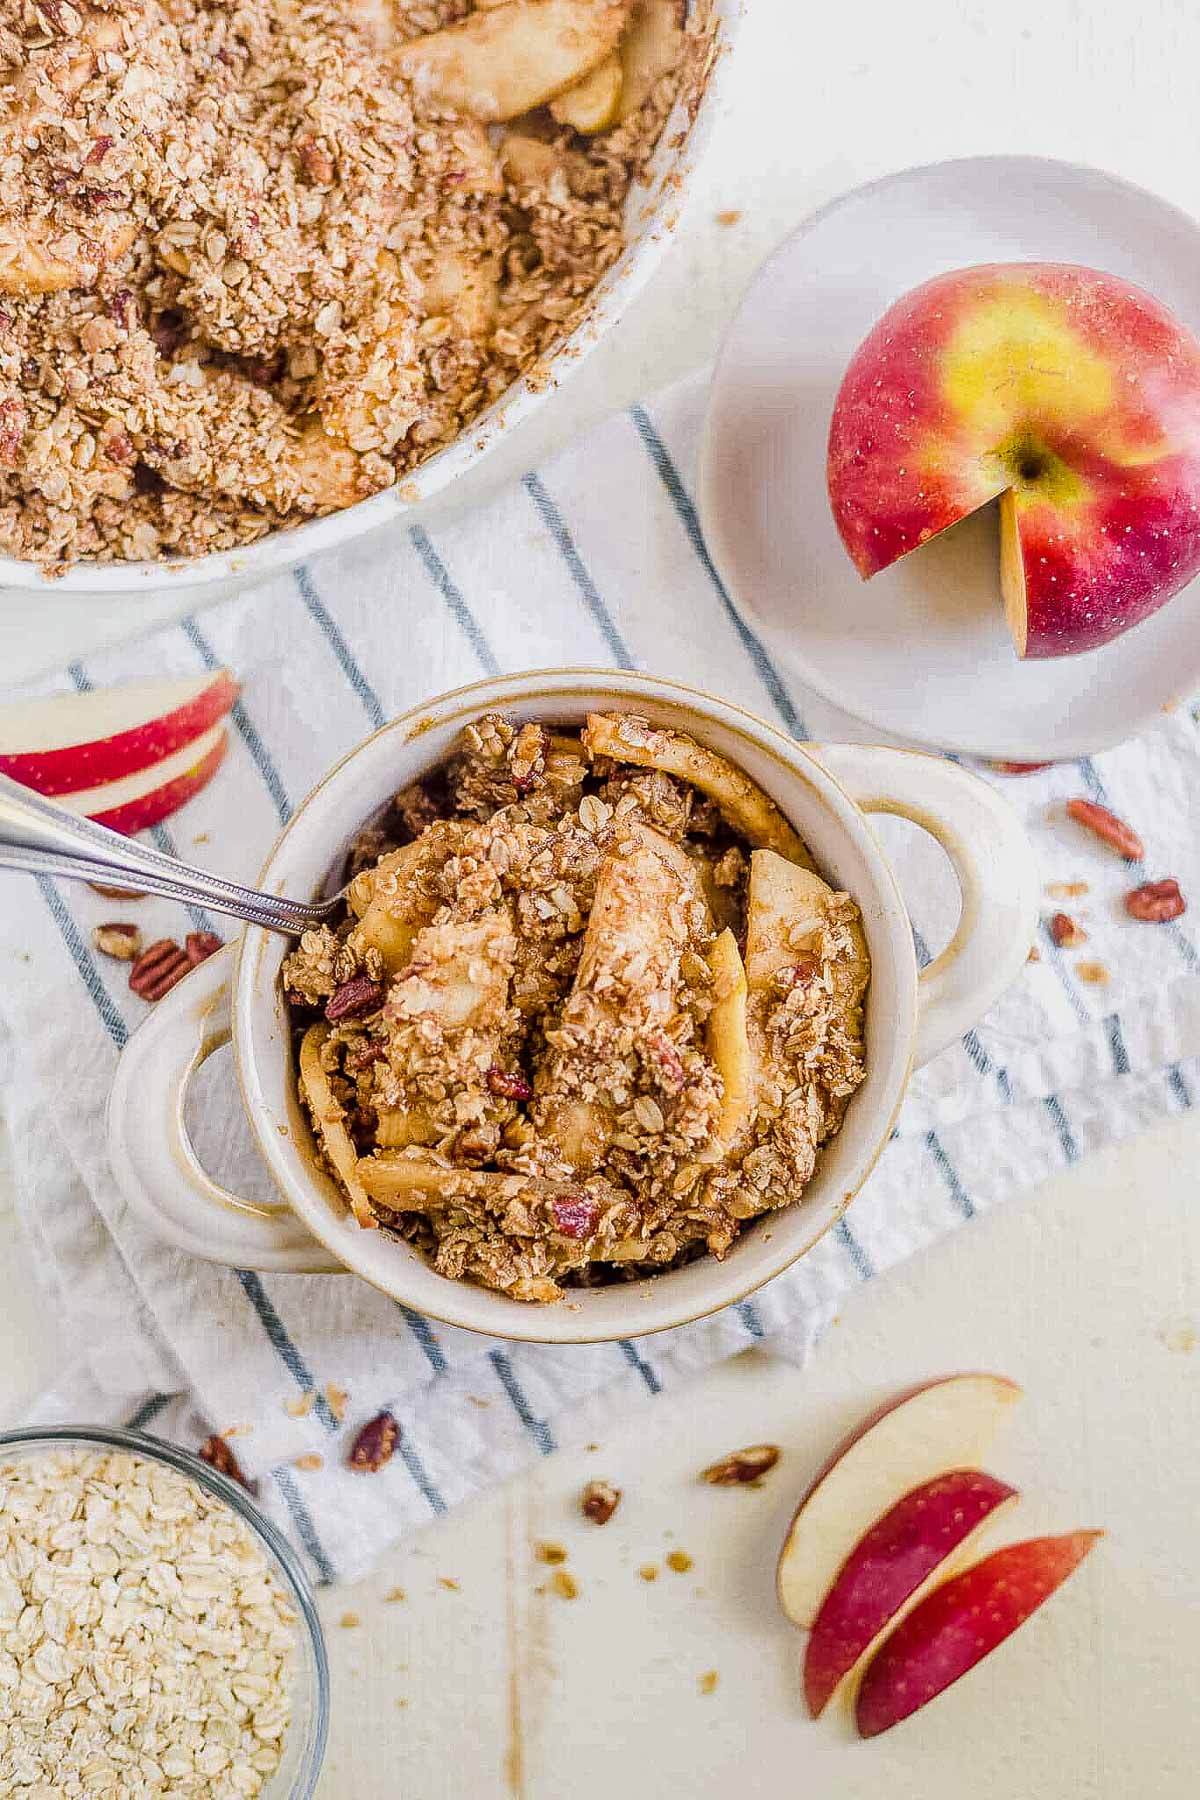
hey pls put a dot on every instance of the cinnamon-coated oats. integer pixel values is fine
(144, 1638)
(251, 272)
(562, 1072)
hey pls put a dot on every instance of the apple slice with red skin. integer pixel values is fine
(960, 1623)
(926, 1431)
(890, 1570)
(138, 801)
(60, 743)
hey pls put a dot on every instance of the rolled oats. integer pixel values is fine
(145, 1641)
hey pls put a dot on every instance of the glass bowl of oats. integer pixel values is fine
(157, 1634)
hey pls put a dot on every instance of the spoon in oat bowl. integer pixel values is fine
(38, 837)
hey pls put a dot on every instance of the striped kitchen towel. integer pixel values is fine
(597, 558)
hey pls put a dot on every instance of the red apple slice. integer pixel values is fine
(64, 742)
(960, 1623)
(929, 1430)
(139, 801)
(890, 1570)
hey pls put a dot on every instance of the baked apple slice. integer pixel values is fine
(650, 51)
(627, 739)
(328, 1122)
(729, 1043)
(787, 910)
(507, 60)
(594, 103)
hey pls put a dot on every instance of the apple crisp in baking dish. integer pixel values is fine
(259, 259)
(590, 1011)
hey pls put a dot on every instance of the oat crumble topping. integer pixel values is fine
(258, 259)
(588, 1015)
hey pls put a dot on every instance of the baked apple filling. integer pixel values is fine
(591, 1009)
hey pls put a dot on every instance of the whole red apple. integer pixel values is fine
(1071, 396)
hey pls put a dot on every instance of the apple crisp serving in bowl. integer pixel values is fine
(590, 1011)
(260, 258)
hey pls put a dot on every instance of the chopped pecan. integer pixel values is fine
(355, 997)
(200, 945)
(375, 1444)
(599, 1501)
(575, 1214)
(159, 969)
(216, 1452)
(1066, 933)
(508, 1084)
(124, 942)
(744, 1468)
(316, 162)
(1107, 827)
(1156, 901)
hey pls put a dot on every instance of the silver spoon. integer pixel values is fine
(40, 838)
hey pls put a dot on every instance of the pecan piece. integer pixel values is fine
(744, 1468)
(1018, 768)
(355, 997)
(1066, 933)
(508, 1084)
(575, 1214)
(216, 1452)
(599, 1501)
(124, 942)
(1156, 901)
(375, 1444)
(200, 945)
(1108, 828)
(158, 969)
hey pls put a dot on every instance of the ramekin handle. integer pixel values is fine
(153, 1162)
(992, 858)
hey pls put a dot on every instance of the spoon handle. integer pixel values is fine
(40, 838)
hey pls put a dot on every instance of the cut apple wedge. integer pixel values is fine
(328, 1120)
(928, 1533)
(64, 742)
(729, 1042)
(942, 1425)
(139, 801)
(507, 60)
(960, 1623)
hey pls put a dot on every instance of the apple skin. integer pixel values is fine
(157, 803)
(888, 1569)
(924, 1431)
(960, 1623)
(1071, 392)
(141, 724)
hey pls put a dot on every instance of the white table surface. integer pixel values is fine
(1087, 1291)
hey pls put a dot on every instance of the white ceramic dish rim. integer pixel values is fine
(656, 218)
(851, 854)
(1066, 746)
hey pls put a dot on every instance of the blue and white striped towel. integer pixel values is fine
(598, 558)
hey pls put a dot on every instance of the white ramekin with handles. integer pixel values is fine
(827, 791)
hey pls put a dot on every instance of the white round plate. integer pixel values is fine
(922, 650)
